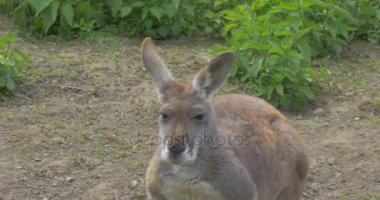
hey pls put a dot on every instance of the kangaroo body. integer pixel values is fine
(222, 148)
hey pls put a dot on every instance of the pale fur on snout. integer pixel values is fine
(269, 164)
(188, 156)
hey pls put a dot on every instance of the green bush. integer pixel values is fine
(275, 42)
(367, 13)
(156, 18)
(12, 61)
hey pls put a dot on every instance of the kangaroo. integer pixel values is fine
(223, 148)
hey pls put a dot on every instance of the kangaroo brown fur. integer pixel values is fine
(223, 148)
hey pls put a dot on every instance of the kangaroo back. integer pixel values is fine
(223, 148)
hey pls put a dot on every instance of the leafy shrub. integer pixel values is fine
(156, 18)
(275, 42)
(367, 13)
(12, 61)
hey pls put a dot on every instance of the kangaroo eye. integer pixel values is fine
(164, 116)
(199, 117)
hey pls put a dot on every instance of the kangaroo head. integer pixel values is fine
(186, 113)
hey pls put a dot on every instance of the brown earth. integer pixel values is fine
(80, 127)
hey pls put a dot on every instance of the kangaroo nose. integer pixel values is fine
(177, 149)
(176, 144)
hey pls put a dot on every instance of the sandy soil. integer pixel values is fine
(81, 125)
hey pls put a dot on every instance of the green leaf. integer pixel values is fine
(148, 23)
(67, 12)
(138, 4)
(228, 27)
(163, 31)
(50, 15)
(274, 10)
(10, 84)
(85, 10)
(4, 61)
(280, 89)
(263, 18)
(169, 10)
(288, 6)
(144, 13)
(39, 5)
(269, 91)
(9, 38)
(304, 47)
(285, 102)
(189, 8)
(277, 50)
(3, 83)
(306, 91)
(283, 32)
(290, 74)
(176, 4)
(299, 103)
(325, 72)
(115, 6)
(255, 68)
(125, 11)
(296, 57)
(157, 12)
(20, 14)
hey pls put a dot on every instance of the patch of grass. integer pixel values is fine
(76, 159)
(147, 149)
(374, 122)
(61, 74)
(141, 193)
(26, 138)
(371, 105)
(80, 137)
(118, 154)
(113, 147)
(372, 198)
(58, 125)
(100, 150)
(91, 117)
(136, 164)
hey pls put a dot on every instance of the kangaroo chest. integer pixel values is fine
(184, 184)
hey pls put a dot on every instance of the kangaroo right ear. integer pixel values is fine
(155, 66)
(210, 78)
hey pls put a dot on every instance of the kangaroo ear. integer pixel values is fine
(155, 66)
(210, 78)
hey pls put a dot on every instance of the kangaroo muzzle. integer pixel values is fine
(176, 145)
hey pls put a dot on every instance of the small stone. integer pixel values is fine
(93, 162)
(357, 118)
(318, 111)
(69, 178)
(331, 161)
(58, 140)
(133, 184)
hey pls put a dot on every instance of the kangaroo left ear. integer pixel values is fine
(156, 67)
(210, 78)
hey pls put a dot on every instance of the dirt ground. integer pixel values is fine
(81, 125)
